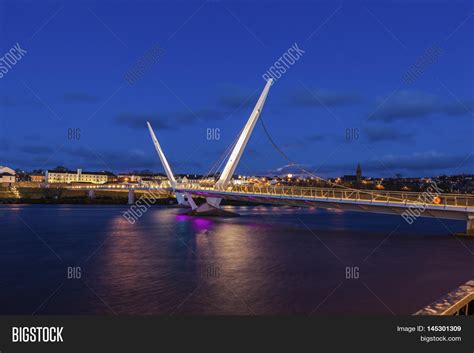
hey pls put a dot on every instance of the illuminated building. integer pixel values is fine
(37, 178)
(56, 176)
(7, 176)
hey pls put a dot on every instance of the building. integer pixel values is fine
(139, 178)
(7, 179)
(37, 177)
(7, 176)
(6, 170)
(59, 176)
(354, 179)
(111, 177)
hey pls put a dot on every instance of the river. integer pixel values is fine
(82, 259)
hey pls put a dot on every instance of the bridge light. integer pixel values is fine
(437, 200)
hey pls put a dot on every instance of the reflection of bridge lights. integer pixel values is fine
(201, 224)
(182, 217)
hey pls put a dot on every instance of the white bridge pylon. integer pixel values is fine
(238, 150)
(239, 147)
(169, 173)
(211, 206)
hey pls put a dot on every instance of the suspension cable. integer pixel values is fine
(222, 158)
(295, 164)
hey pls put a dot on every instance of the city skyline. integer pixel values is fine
(322, 112)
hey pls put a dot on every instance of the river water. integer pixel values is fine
(82, 259)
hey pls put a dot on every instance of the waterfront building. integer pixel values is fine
(37, 177)
(61, 176)
(6, 170)
(7, 179)
(141, 177)
(7, 176)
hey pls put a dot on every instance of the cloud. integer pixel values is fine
(287, 167)
(414, 105)
(32, 136)
(35, 149)
(428, 163)
(293, 144)
(319, 98)
(204, 114)
(184, 166)
(79, 97)
(299, 143)
(89, 158)
(138, 121)
(12, 102)
(95, 159)
(316, 137)
(377, 133)
(4, 144)
(233, 97)
(233, 102)
(425, 161)
(237, 100)
(169, 120)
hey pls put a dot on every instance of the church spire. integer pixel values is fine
(358, 174)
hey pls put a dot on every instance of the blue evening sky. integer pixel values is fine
(210, 76)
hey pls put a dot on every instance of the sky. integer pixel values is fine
(344, 101)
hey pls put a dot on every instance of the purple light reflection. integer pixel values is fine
(199, 224)
(182, 217)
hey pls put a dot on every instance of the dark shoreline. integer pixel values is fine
(167, 201)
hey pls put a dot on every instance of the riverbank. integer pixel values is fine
(36, 195)
(58, 196)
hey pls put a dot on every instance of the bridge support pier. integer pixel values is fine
(470, 225)
(131, 197)
(91, 194)
(209, 210)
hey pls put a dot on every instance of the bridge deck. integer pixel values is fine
(452, 206)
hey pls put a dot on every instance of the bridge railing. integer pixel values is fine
(458, 302)
(378, 196)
